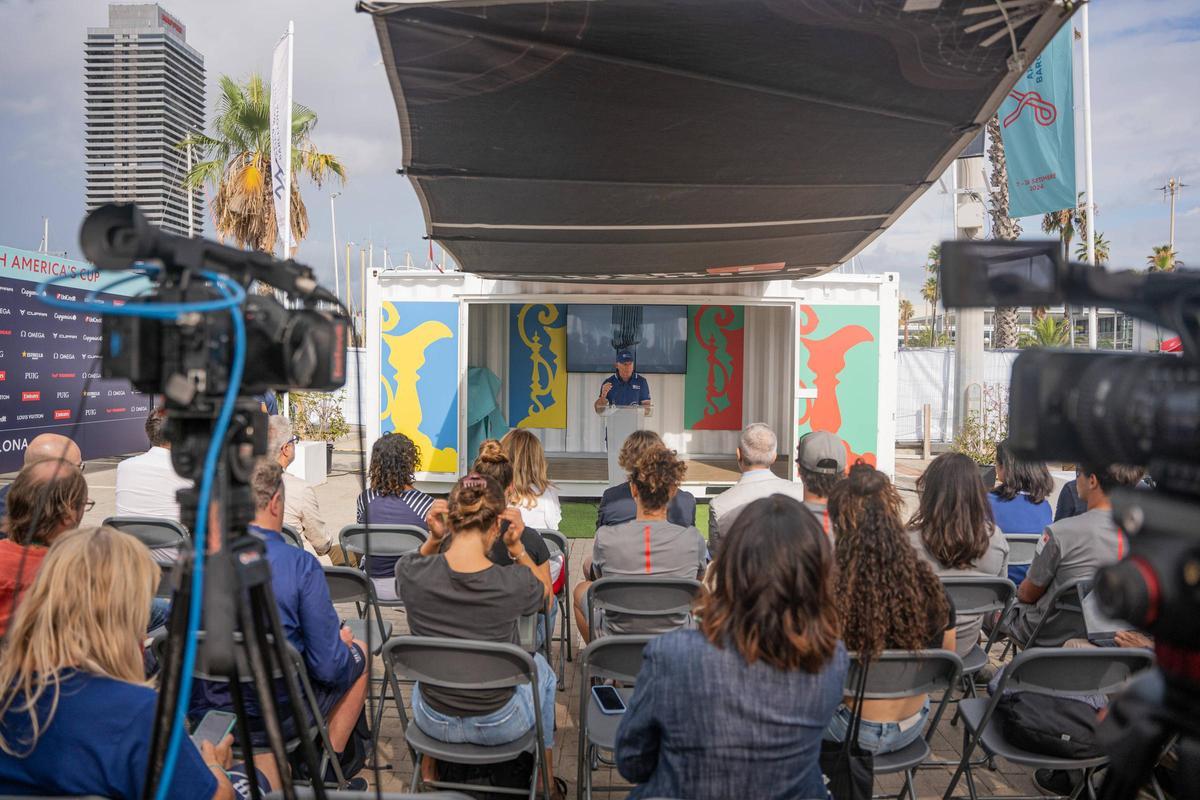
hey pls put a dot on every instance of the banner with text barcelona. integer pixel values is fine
(418, 379)
(537, 365)
(837, 375)
(713, 384)
(1037, 126)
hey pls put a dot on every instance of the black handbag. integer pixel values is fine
(1054, 726)
(850, 770)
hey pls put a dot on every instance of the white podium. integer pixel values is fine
(309, 464)
(620, 421)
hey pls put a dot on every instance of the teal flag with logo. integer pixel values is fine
(1037, 125)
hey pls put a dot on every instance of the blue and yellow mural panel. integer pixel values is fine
(418, 379)
(537, 365)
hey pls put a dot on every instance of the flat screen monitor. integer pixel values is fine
(657, 335)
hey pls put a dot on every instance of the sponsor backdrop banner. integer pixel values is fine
(418, 379)
(537, 365)
(838, 375)
(48, 354)
(1037, 124)
(713, 385)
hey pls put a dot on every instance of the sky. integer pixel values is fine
(1145, 56)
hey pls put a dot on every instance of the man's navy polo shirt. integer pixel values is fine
(627, 393)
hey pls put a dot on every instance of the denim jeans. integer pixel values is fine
(876, 737)
(541, 623)
(506, 724)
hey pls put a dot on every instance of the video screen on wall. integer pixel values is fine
(656, 334)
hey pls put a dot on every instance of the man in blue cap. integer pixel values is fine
(626, 388)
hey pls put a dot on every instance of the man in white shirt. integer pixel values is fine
(300, 510)
(757, 450)
(147, 484)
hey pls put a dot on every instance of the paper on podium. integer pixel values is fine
(620, 421)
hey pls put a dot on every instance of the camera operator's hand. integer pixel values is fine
(516, 526)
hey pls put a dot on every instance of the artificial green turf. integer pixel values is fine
(579, 520)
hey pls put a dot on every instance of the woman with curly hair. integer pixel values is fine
(954, 533)
(390, 499)
(737, 708)
(888, 599)
(616, 504)
(649, 544)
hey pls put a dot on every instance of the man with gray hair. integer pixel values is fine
(300, 511)
(756, 454)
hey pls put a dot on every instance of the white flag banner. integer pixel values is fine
(281, 136)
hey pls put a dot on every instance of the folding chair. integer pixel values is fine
(164, 537)
(1056, 672)
(386, 541)
(558, 545)
(315, 724)
(975, 596)
(349, 585)
(1022, 547)
(1064, 602)
(639, 597)
(291, 537)
(617, 658)
(902, 673)
(464, 665)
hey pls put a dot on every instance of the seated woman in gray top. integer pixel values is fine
(953, 531)
(646, 545)
(451, 588)
(737, 708)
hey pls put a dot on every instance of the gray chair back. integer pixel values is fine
(981, 594)
(555, 541)
(154, 532)
(386, 540)
(1065, 602)
(1073, 671)
(348, 585)
(204, 672)
(1021, 548)
(617, 658)
(640, 596)
(291, 536)
(902, 673)
(460, 663)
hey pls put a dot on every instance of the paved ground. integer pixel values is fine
(337, 498)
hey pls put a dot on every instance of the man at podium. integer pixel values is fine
(625, 388)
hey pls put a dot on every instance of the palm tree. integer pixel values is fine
(1004, 318)
(929, 293)
(906, 314)
(236, 162)
(1047, 332)
(1102, 247)
(1164, 259)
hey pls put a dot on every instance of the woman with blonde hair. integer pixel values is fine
(531, 491)
(72, 680)
(617, 505)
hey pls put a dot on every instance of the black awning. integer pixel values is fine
(636, 140)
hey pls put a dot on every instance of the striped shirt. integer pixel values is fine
(406, 508)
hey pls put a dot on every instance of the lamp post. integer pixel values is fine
(337, 289)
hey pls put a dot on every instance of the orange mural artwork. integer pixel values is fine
(826, 360)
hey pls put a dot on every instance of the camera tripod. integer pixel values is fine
(239, 603)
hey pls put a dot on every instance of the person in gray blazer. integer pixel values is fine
(756, 453)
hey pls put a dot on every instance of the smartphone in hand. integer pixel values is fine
(215, 726)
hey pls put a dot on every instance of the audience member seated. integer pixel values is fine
(616, 504)
(738, 707)
(888, 599)
(47, 498)
(756, 453)
(1071, 550)
(301, 512)
(648, 545)
(147, 484)
(1069, 504)
(532, 492)
(76, 715)
(454, 588)
(954, 533)
(821, 462)
(390, 499)
(1020, 503)
(334, 660)
(43, 447)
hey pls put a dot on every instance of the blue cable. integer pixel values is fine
(233, 294)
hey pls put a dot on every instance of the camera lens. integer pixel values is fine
(1128, 590)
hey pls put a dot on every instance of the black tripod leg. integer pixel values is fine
(169, 669)
(245, 741)
(257, 646)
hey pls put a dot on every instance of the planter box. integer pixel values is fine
(310, 462)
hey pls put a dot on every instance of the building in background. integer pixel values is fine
(1116, 330)
(143, 93)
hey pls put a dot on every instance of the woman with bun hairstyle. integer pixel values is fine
(888, 599)
(453, 588)
(649, 544)
(390, 499)
(494, 463)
